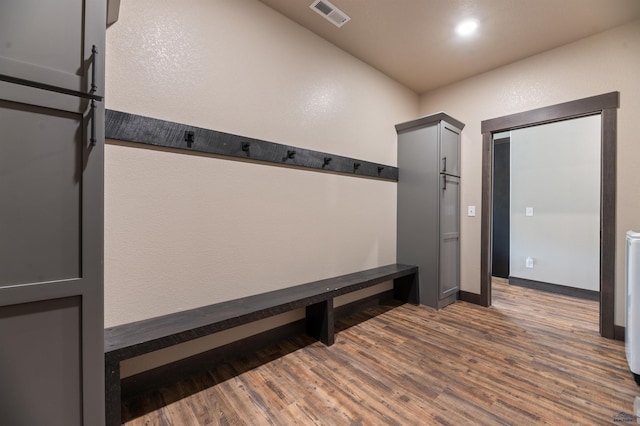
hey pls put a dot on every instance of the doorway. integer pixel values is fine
(501, 207)
(604, 105)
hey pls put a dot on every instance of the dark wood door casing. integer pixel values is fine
(606, 105)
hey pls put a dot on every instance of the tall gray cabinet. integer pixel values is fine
(51, 212)
(429, 205)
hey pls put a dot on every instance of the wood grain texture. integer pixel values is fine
(151, 131)
(532, 358)
(486, 220)
(169, 373)
(137, 338)
(608, 222)
(577, 108)
(466, 296)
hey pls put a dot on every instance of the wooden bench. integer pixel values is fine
(137, 338)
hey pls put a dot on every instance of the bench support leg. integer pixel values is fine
(113, 403)
(319, 322)
(405, 289)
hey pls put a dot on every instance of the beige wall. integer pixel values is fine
(555, 170)
(599, 64)
(183, 230)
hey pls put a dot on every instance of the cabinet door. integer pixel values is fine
(449, 149)
(449, 273)
(48, 44)
(51, 302)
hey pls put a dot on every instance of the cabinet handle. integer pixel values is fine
(444, 182)
(444, 166)
(93, 123)
(94, 60)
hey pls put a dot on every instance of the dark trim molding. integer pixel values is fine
(558, 112)
(555, 288)
(151, 131)
(486, 221)
(474, 298)
(608, 222)
(619, 332)
(429, 119)
(605, 105)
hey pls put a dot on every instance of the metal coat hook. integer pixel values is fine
(356, 166)
(291, 153)
(246, 146)
(380, 169)
(189, 137)
(326, 161)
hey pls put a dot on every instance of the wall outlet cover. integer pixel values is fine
(471, 211)
(528, 211)
(529, 262)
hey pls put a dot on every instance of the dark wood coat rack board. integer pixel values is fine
(151, 131)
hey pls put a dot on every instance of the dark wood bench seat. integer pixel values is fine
(137, 338)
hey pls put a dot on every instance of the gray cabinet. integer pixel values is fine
(51, 217)
(49, 44)
(429, 204)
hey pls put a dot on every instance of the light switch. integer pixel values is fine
(528, 211)
(471, 211)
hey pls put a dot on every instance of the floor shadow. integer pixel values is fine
(213, 371)
(207, 370)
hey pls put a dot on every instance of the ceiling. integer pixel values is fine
(414, 42)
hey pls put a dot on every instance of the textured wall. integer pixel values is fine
(188, 230)
(599, 64)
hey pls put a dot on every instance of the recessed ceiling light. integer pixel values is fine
(466, 28)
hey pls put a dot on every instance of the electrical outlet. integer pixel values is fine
(471, 211)
(529, 262)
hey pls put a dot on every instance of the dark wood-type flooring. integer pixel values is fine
(532, 358)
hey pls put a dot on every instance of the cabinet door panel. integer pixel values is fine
(449, 150)
(48, 43)
(51, 250)
(40, 182)
(449, 236)
(36, 336)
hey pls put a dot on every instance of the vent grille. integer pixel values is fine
(329, 12)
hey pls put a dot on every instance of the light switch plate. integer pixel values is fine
(471, 211)
(528, 211)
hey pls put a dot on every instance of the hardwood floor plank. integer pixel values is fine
(532, 358)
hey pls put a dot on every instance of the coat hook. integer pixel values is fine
(245, 146)
(356, 166)
(380, 169)
(326, 162)
(189, 137)
(291, 153)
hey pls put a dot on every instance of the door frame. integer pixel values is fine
(606, 106)
(506, 140)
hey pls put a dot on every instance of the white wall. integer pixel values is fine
(603, 63)
(555, 169)
(185, 230)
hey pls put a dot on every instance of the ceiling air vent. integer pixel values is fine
(329, 12)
